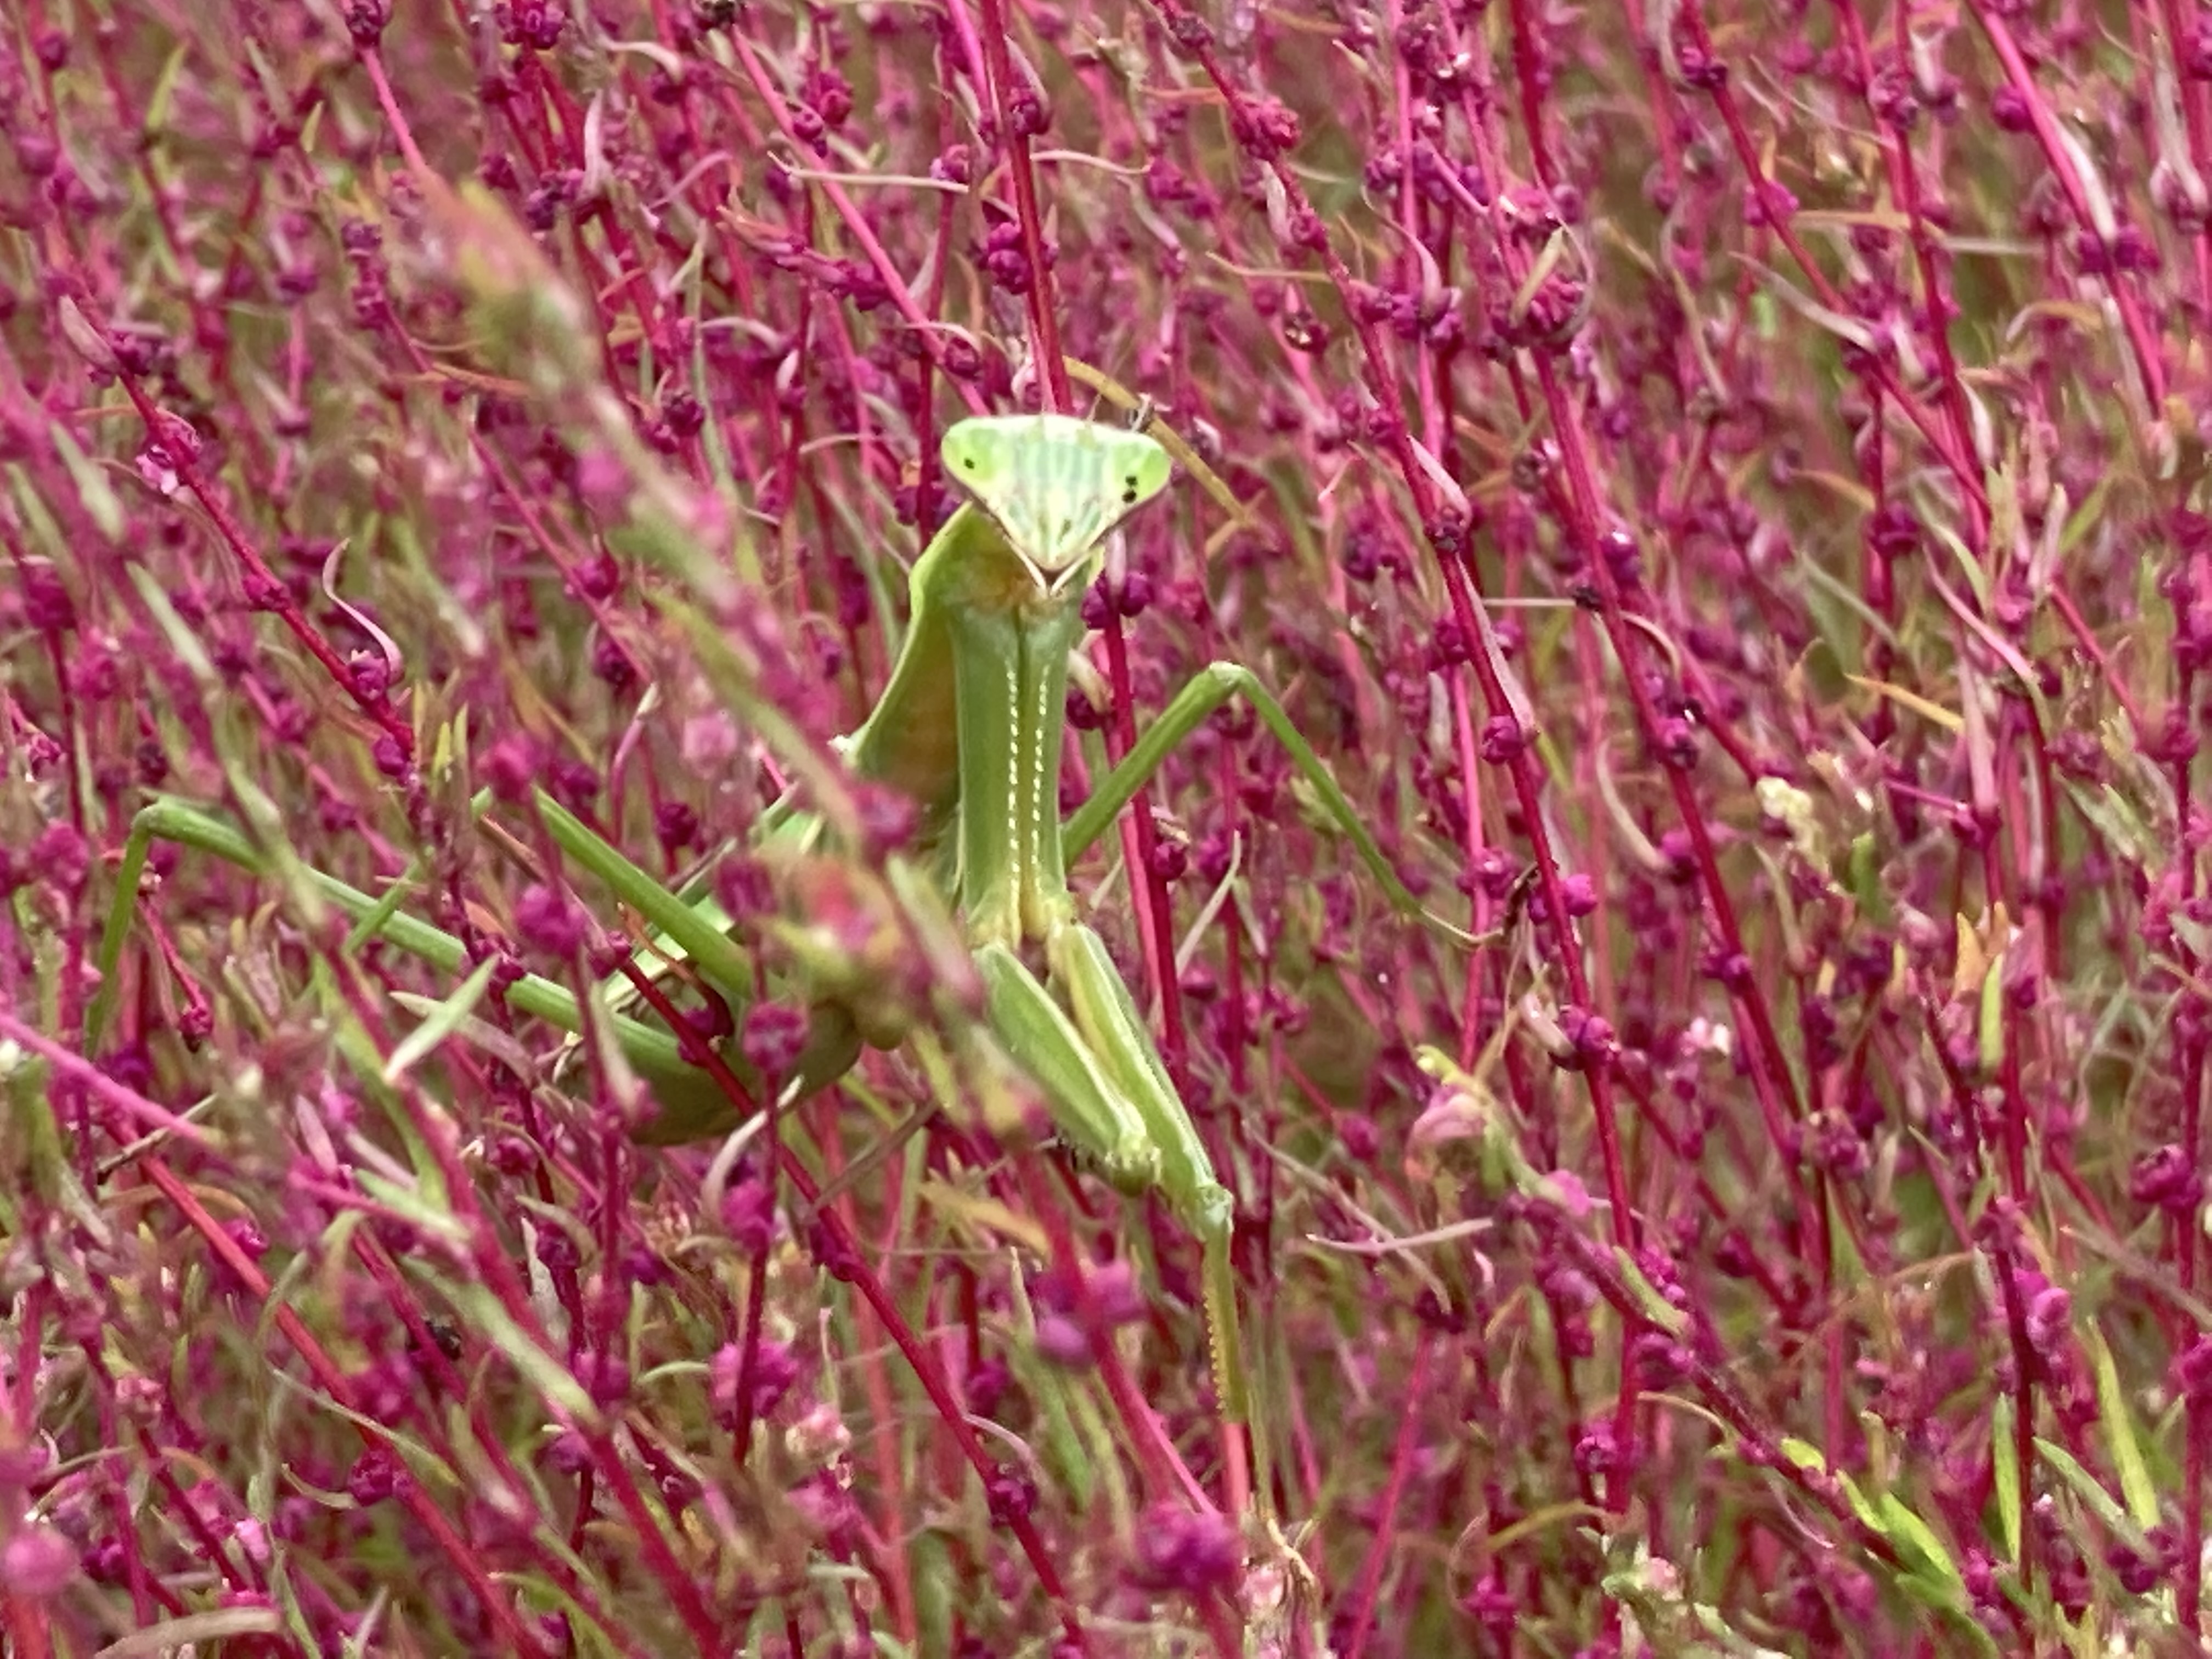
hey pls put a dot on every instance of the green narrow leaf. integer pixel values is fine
(478, 1034)
(1989, 1026)
(405, 1199)
(934, 1574)
(1970, 567)
(1915, 1540)
(1649, 1303)
(444, 1021)
(2120, 1433)
(372, 923)
(182, 639)
(122, 906)
(1864, 878)
(1060, 1446)
(1834, 322)
(32, 1156)
(1806, 1455)
(552, 1380)
(1934, 712)
(2001, 1424)
(427, 1202)
(2087, 1487)
(173, 1634)
(1870, 1513)
(165, 87)
(97, 497)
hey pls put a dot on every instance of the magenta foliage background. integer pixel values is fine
(1720, 487)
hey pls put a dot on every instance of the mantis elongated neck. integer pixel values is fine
(972, 721)
(1010, 664)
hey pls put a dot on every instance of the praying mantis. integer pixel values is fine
(970, 728)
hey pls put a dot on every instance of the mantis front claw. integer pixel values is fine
(1087, 1106)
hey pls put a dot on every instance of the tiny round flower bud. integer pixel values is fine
(1676, 742)
(606, 1377)
(510, 767)
(365, 19)
(374, 1477)
(1060, 1342)
(775, 1037)
(1178, 1549)
(37, 1562)
(1190, 31)
(749, 1214)
(1009, 1495)
(1264, 125)
(548, 920)
(1597, 1451)
(675, 825)
(1892, 531)
(2166, 1179)
(1578, 893)
(2050, 1314)
(987, 1386)
(1503, 739)
(568, 1453)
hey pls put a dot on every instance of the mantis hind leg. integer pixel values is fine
(1115, 1033)
(1109, 1095)
(694, 1106)
(1209, 689)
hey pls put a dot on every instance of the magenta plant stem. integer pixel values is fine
(2170, 22)
(1457, 578)
(1934, 290)
(1385, 1523)
(851, 1265)
(855, 224)
(1878, 369)
(1044, 327)
(495, 1605)
(2148, 363)
(179, 444)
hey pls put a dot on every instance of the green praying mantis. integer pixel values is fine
(970, 728)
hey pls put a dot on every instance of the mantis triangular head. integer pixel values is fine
(1054, 484)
